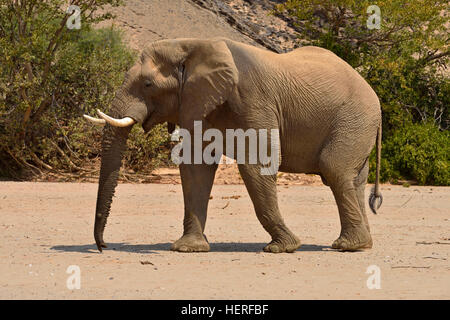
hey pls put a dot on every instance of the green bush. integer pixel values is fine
(417, 151)
(49, 77)
(148, 151)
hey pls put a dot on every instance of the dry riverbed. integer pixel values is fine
(47, 227)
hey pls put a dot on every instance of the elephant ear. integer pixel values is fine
(210, 77)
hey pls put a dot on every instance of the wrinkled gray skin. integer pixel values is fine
(327, 115)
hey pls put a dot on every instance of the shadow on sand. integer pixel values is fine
(153, 248)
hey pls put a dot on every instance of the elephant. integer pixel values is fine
(328, 118)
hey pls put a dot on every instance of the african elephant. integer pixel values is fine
(327, 116)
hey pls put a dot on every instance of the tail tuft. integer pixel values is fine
(375, 200)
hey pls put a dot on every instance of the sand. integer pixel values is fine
(47, 227)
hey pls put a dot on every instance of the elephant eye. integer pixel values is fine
(147, 83)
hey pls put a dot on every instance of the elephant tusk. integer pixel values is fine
(99, 122)
(125, 122)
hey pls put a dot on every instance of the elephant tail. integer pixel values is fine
(376, 199)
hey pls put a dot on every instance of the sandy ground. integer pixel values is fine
(47, 227)
(228, 174)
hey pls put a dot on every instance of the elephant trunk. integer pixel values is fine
(113, 146)
(127, 109)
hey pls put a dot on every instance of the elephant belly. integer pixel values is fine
(300, 157)
(298, 164)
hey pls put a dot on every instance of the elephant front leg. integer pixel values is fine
(263, 192)
(197, 181)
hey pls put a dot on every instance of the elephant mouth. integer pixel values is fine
(149, 123)
(155, 118)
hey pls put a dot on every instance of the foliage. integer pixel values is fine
(146, 152)
(49, 76)
(418, 151)
(404, 61)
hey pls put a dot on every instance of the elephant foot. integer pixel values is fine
(353, 239)
(191, 243)
(283, 244)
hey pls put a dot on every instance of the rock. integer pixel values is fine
(252, 18)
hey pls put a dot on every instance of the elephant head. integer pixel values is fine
(175, 81)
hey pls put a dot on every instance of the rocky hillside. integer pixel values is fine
(248, 21)
(254, 18)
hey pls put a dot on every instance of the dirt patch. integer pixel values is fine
(47, 227)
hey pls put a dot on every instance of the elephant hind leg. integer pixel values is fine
(263, 192)
(355, 233)
(348, 190)
(360, 185)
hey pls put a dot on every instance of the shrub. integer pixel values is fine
(417, 151)
(49, 77)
